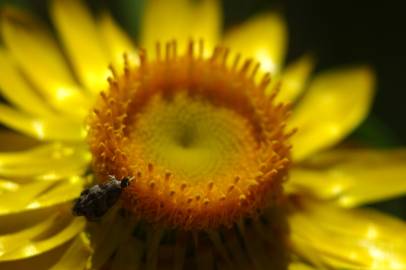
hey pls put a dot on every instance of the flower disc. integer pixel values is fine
(203, 142)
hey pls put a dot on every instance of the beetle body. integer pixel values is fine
(95, 201)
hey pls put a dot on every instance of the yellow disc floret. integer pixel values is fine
(205, 145)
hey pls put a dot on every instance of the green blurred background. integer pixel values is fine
(337, 33)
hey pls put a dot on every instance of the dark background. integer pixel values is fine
(337, 33)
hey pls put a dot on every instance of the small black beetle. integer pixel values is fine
(95, 201)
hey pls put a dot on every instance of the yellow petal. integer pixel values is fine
(182, 20)
(262, 38)
(41, 154)
(300, 266)
(52, 161)
(23, 223)
(335, 104)
(41, 177)
(38, 195)
(80, 37)
(39, 56)
(117, 41)
(7, 186)
(76, 256)
(16, 90)
(294, 79)
(11, 242)
(19, 221)
(61, 193)
(42, 261)
(49, 128)
(335, 238)
(53, 233)
(14, 201)
(353, 177)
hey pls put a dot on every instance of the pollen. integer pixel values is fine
(206, 146)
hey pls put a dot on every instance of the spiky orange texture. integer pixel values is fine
(161, 196)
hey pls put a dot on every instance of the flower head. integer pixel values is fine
(204, 143)
(205, 130)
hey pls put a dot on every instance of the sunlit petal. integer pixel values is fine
(37, 195)
(335, 104)
(117, 41)
(7, 186)
(64, 191)
(41, 177)
(181, 20)
(15, 200)
(39, 56)
(43, 154)
(43, 237)
(352, 177)
(16, 90)
(47, 162)
(262, 38)
(11, 242)
(50, 128)
(347, 239)
(294, 79)
(42, 261)
(76, 256)
(82, 42)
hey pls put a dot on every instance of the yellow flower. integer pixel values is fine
(205, 136)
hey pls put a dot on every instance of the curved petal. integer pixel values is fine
(181, 20)
(45, 236)
(42, 128)
(335, 104)
(294, 79)
(40, 58)
(46, 162)
(80, 37)
(334, 238)
(41, 177)
(262, 38)
(300, 266)
(21, 222)
(38, 195)
(16, 90)
(11, 242)
(117, 41)
(352, 177)
(42, 261)
(77, 255)
(7, 186)
(17, 199)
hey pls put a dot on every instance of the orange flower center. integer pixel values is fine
(205, 145)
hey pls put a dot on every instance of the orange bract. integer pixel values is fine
(162, 194)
